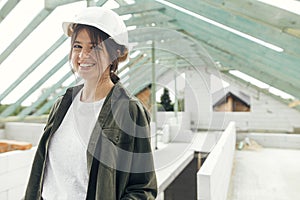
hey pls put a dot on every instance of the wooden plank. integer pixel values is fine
(178, 49)
(52, 4)
(139, 7)
(149, 19)
(3, 147)
(145, 34)
(262, 12)
(132, 62)
(11, 145)
(166, 25)
(294, 104)
(252, 9)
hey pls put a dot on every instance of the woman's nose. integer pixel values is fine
(84, 53)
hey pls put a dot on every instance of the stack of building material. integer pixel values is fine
(10, 145)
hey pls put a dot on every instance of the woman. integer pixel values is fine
(96, 141)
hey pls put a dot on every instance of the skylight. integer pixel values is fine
(261, 84)
(126, 70)
(289, 5)
(17, 20)
(2, 3)
(131, 28)
(126, 17)
(249, 79)
(111, 4)
(130, 1)
(123, 64)
(135, 54)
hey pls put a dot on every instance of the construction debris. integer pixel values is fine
(248, 144)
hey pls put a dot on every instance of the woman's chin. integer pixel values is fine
(88, 76)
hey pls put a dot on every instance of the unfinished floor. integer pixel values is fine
(265, 174)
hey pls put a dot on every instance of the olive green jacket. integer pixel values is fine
(119, 156)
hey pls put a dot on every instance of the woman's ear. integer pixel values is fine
(119, 53)
(122, 55)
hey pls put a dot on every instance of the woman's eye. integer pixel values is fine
(76, 46)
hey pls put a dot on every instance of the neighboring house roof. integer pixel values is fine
(221, 95)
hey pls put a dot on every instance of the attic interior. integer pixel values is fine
(249, 37)
(222, 61)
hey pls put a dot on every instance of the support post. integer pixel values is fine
(153, 92)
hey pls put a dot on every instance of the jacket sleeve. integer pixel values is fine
(141, 184)
(53, 110)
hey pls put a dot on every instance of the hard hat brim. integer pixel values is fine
(67, 30)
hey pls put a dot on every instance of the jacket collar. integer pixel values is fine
(70, 94)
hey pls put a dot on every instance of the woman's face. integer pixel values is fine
(89, 60)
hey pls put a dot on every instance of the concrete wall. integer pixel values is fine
(183, 119)
(197, 98)
(213, 177)
(2, 134)
(29, 132)
(175, 129)
(15, 167)
(267, 114)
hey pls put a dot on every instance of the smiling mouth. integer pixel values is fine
(87, 65)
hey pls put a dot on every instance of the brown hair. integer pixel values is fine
(117, 52)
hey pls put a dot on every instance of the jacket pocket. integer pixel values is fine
(117, 137)
(116, 149)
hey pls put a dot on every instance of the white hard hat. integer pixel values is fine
(102, 18)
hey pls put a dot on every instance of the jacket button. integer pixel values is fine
(117, 138)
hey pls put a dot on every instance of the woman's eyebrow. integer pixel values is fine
(91, 43)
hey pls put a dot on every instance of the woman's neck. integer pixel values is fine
(94, 91)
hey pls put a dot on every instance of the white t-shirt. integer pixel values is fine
(66, 174)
